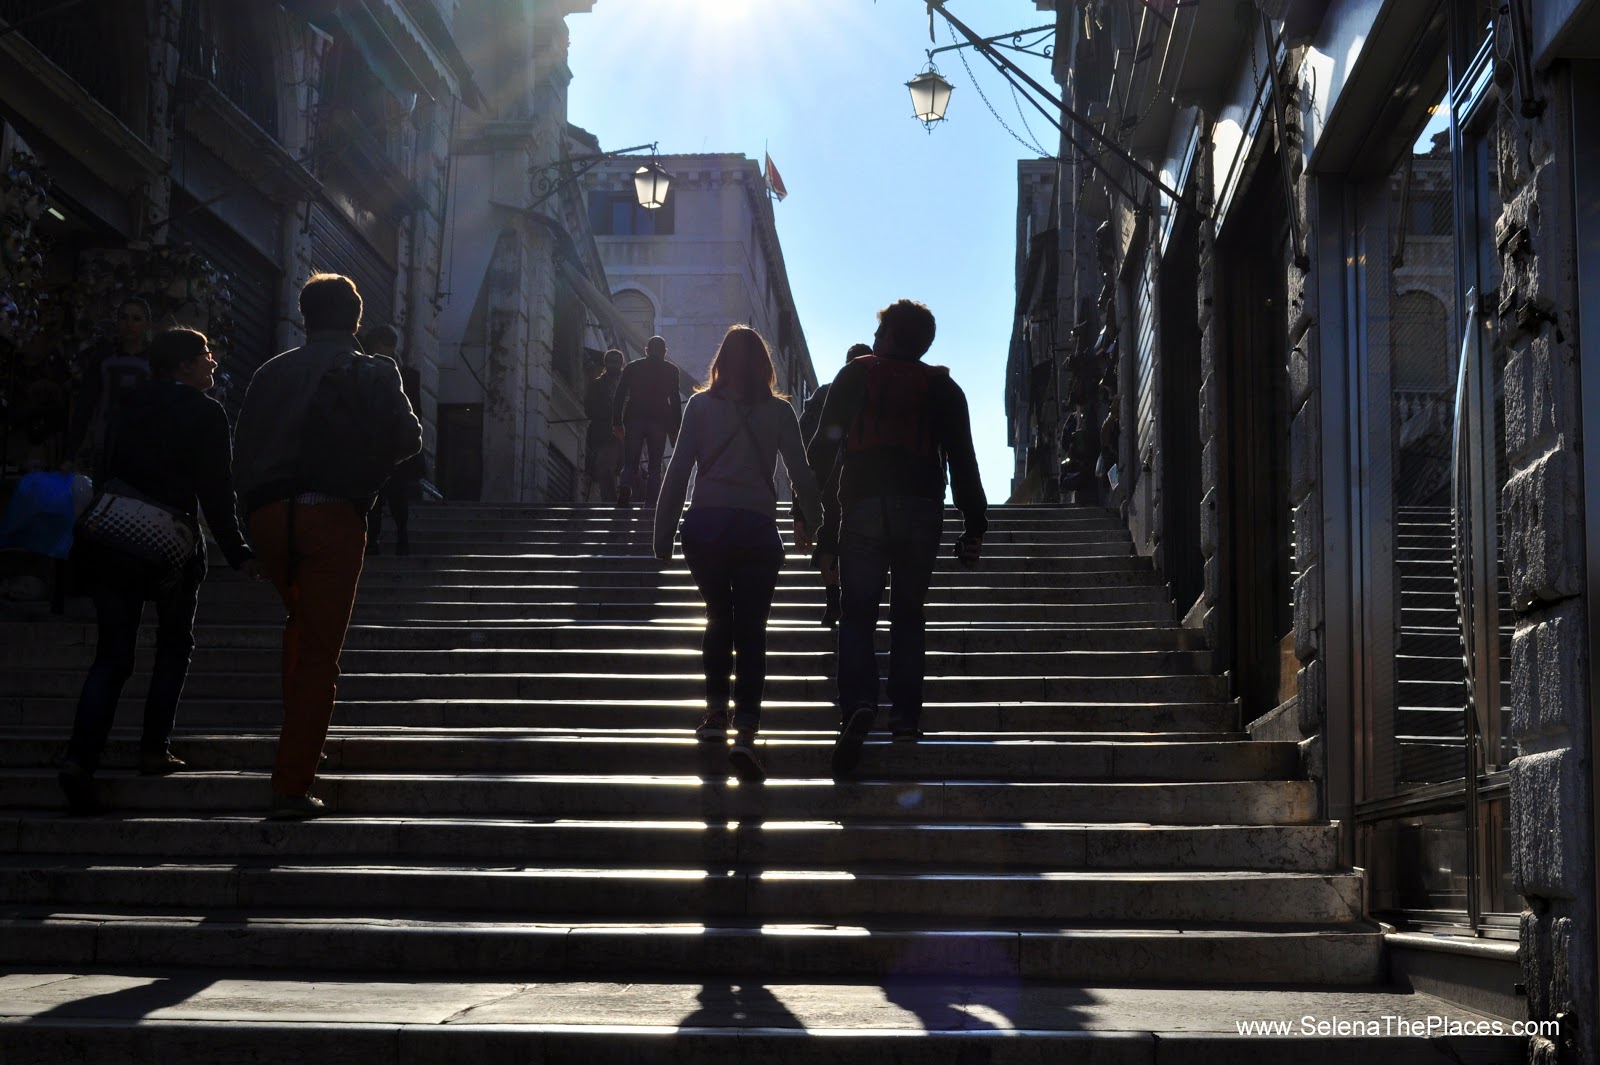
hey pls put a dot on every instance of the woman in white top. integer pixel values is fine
(732, 433)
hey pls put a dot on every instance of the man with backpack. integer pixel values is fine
(645, 413)
(321, 428)
(893, 424)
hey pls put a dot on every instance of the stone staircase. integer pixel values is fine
(518, 809)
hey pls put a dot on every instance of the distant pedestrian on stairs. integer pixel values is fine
(891, 425)
(321, 427)
(603, 451)
(733, 432)
(645, 414)
(810, 418)
(383, 342)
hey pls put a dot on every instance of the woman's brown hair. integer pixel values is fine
(742, 368)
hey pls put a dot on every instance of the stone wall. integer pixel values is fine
(1542, 518)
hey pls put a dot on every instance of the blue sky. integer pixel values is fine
(878, 209)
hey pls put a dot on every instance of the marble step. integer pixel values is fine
(794, 844)
(262, 709)
(1345, 953)
(750, 893)
(610, 753)
(663, 660)
(687, 683)
(711, 797)
(678, 596)
(795, 637)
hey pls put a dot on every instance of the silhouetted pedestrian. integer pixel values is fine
(732, 434)
(116, 368)
(603, 451)
(892, 425)
(383, 342)
(321, 427)
(645, 414)
(810, 418)
(170, 460)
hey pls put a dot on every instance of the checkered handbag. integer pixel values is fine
(138, 527)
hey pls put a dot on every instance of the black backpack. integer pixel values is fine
(347, 443)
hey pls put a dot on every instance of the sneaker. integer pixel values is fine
(77, 784)
(742, 756)
(847, 748)
(713, 728)
(624, 498)
(160, 763)
(907, 735)
(295, 807)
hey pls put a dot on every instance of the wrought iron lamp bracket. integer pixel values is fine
(547, 180)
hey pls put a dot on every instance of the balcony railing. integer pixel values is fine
(245, 80)
(74, 40)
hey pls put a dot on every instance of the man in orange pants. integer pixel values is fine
(307, 491)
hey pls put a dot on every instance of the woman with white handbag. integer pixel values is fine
(140, 541)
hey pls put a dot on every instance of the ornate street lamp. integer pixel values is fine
(650, 184)
(930, 95)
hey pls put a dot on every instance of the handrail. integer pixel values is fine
(1460, 494)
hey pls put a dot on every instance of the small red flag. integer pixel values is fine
(775, 180)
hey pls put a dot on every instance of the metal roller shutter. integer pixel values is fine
(337, 247)
(254, 283)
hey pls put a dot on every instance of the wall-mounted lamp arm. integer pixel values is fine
(551, 178)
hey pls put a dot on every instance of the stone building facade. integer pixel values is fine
(1336, 253)
(208, 156)
(524, 315)
(706, 260)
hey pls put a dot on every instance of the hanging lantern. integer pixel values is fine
(930, 95)
(650, 184)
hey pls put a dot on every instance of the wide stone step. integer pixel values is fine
(682, 596)
(819, 716)
(914, 800)
(611, 753)
(216, 1017)
(800, 637)
(1099, 895)
(1339, 954)
(640, 563)
(430, 545)
(1299, 848)
(464, 612)
(664, 660)
(657, 686)
(1048, 541)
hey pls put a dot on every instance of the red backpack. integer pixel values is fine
(896, 408)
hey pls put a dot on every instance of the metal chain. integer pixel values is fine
(1017, 137)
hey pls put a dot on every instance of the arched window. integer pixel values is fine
(636, 308)
(1419, 335)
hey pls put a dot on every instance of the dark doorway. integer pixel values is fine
(1179, 367)
(460, 451)
(1253, 430)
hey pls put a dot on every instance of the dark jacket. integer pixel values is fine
(649, 393)
(272, 419)
(172, 447)
(811, 416)
(884, 471)
(598, 399)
